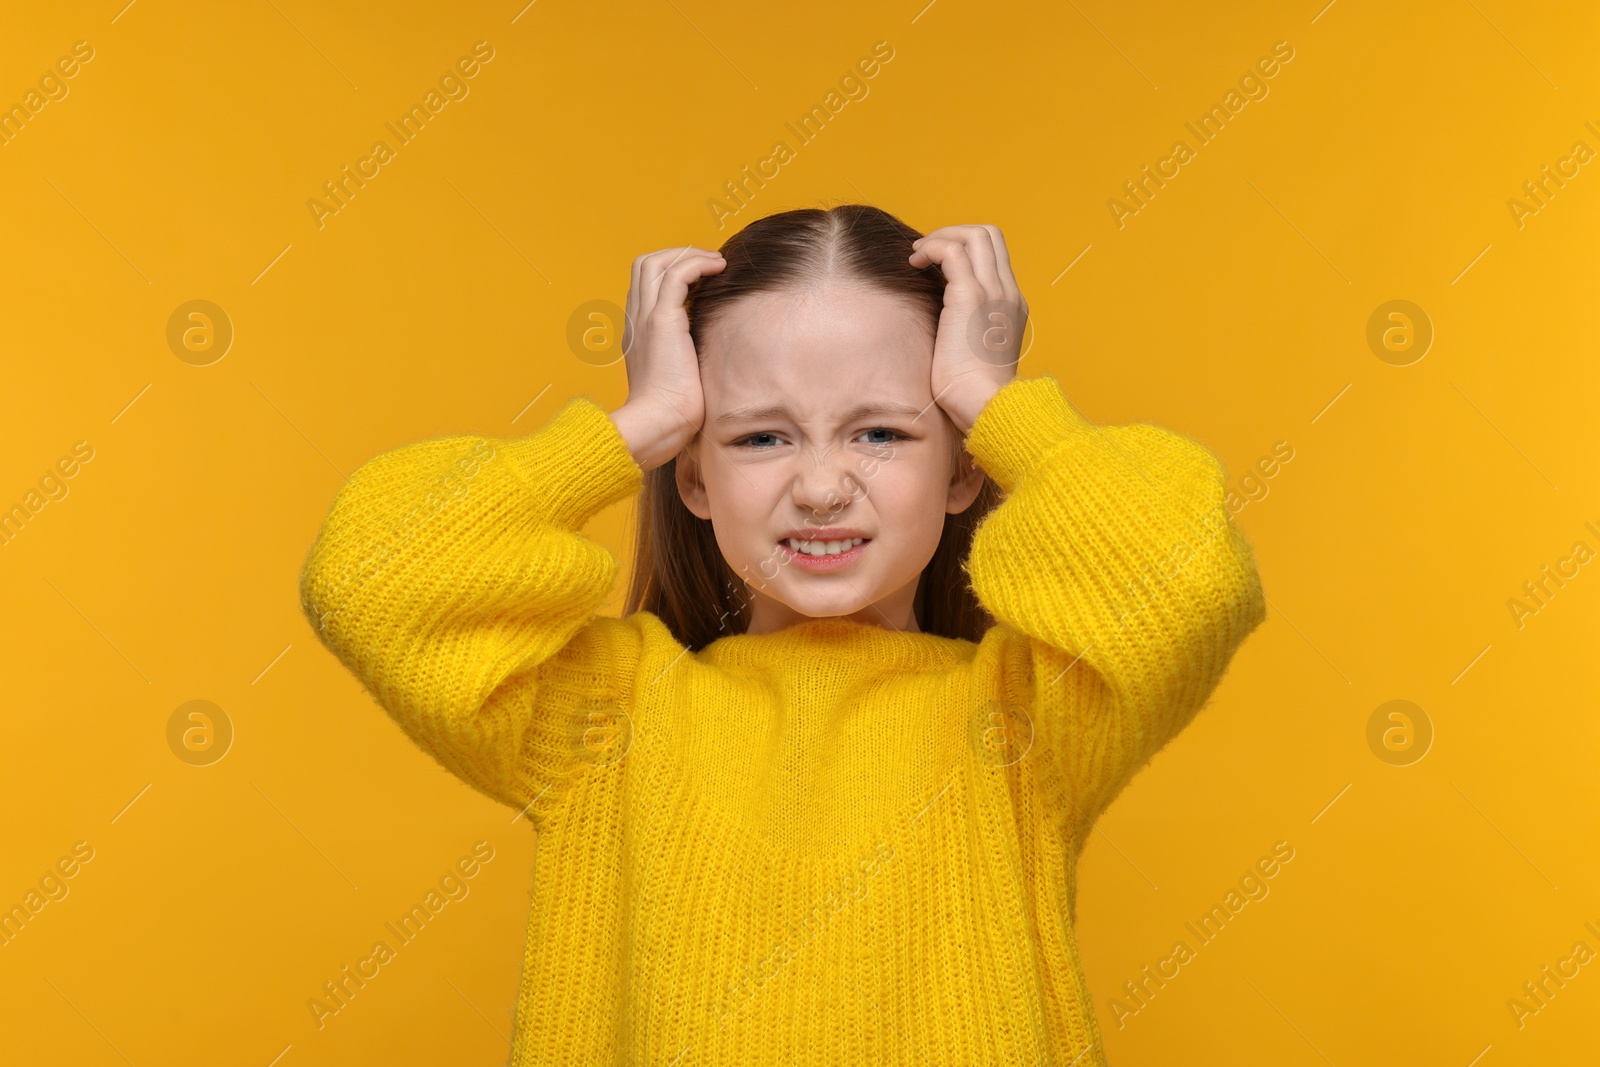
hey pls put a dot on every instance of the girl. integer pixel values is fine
(901, 626)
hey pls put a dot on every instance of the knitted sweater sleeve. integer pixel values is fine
(450, 577)
(1119, 585)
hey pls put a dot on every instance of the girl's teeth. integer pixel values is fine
(823, 548)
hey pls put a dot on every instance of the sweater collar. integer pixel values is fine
(838, 637)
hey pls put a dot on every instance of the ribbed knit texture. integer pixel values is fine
(834, 844)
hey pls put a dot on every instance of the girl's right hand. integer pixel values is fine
(665, 399)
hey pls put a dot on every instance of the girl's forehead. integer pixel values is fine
(812, 381)
(828, 314)
(817, 354)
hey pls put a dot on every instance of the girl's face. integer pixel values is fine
(820, 419)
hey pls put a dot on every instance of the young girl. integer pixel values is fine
(815, 798)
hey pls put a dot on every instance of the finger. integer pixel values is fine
(673, 285)
(630, 310)
(980, 248)
(986, 246)
(653, 267)
(943, 233)
(1010, 293)
(657, 265)
(951, 255)
(1002, 255)
(949, 231)
(650, 272)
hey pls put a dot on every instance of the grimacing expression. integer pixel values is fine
(819, 413)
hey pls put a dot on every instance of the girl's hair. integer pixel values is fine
(679, 572)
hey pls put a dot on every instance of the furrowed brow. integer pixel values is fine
(751, 413)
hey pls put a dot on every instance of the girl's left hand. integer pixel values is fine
(980, 331)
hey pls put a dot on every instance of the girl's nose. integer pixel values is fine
(824, 484)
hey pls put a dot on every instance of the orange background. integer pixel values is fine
(1233, 307)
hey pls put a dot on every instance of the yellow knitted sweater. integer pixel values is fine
(833, 844)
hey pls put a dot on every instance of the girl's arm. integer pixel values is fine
(451, 578)
(1118, 581)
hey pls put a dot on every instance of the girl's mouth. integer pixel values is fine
(824, 563)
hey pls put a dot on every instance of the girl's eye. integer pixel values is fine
(749, 441)
(894, 435)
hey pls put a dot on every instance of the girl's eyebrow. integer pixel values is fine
(777, 411)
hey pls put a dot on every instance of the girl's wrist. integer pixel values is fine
(653, 437)
(965, 402)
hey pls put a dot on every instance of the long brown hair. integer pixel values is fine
(679, 573)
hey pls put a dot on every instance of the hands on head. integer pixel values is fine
(666, 404)
(981, 327)
(976, 349)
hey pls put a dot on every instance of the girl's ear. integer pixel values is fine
(966, 481)
(691, 486)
